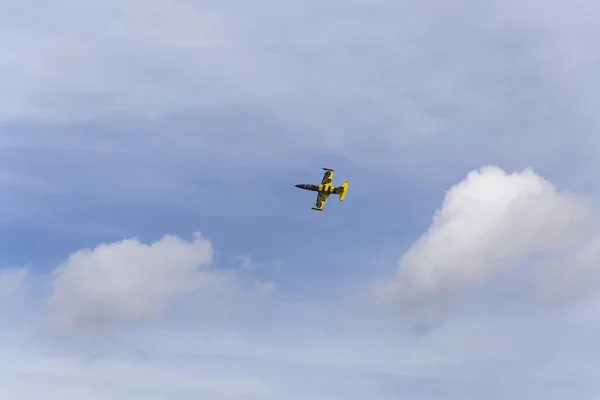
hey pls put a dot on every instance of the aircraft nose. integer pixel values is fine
(299, 186)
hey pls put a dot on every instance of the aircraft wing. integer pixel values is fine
(321, 200)
(328, 176)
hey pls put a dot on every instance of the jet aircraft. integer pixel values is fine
(325, 189)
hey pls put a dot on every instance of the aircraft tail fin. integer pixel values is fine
(343, 191)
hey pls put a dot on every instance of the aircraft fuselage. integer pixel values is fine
(323, 188)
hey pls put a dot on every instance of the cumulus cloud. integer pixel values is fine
(495, 225)
(129, 281)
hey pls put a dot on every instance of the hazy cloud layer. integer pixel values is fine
(365, 78)
(292, 358)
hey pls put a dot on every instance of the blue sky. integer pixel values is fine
(153, 243)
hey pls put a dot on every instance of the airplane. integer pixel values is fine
(325, 189)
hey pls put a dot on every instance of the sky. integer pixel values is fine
(152, 242)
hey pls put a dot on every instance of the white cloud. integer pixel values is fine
(495, 226)
(128, 281)
(12, 280)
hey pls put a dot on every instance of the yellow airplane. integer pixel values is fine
(325, 189)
